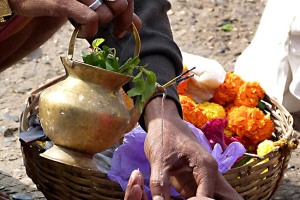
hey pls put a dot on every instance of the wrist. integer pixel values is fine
(153, 110)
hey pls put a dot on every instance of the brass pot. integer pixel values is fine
(85, 111)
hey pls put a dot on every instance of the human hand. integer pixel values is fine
(181, 161)
(119, 12)
(4, 196)
(135, 187)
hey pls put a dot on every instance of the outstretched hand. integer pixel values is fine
(119, 12)
(178, 159)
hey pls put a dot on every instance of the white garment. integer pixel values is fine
(273, 57)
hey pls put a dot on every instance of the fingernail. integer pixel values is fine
(140, 179)
(157, 197)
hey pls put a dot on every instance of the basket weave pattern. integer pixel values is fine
(262, 180)
(61, 181)
(256, 180)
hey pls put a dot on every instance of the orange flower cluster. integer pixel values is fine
(228, 90)
(191, 112)
(182, 87)
(251, 123)
(236, 100)
(249, 94)
(236, 91)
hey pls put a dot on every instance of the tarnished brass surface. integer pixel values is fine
(69, 157)
(4, 10)
(85, 111)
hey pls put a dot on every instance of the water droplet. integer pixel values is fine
(161, 179)
(161, 183)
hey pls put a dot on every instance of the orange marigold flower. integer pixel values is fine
(228, 90)
(251, 123)
(182, 87)
(229, 107)
(191, 112)
(249, 94)
(212, 110)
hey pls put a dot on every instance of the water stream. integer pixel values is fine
(162, 140)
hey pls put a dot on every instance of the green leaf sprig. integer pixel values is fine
(105, 58)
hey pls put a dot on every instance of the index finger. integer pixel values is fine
(159, 183)
(225, 191)
(123, 17)
(206, 180)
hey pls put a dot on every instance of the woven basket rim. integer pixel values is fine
(283, 121)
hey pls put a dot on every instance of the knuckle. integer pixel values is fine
(207, 163)
(158, 187)
(210, 162)
(106, 18)
(119, 6)
(92, 18)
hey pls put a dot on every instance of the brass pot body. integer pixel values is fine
(85, 111)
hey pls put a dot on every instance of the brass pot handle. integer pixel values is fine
(135, 32)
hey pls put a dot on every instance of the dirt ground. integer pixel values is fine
(197, 29)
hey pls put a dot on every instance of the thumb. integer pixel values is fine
(159, 182)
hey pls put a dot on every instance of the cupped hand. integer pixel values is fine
(178, 159)
(119, 12)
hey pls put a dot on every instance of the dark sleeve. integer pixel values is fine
(159, 51)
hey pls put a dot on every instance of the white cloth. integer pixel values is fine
(273, 57)
(209, 74)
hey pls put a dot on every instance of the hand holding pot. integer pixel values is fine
(89, 13)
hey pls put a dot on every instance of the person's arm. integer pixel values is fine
(158, 49)
(175, 155)
(47, 16)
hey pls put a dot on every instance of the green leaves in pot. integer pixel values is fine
(105, 58)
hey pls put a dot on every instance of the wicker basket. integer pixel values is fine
(56, 180)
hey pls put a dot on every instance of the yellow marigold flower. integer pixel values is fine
(249, 94)
(251, 123)
(212, 110)
(228, 90)
(265, 147)
(191, 112)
